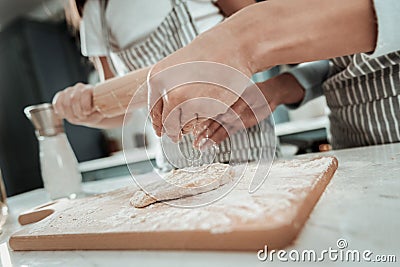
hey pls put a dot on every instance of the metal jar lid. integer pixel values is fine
(44, 119)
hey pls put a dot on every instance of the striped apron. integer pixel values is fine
(176, 31)
(364, 98)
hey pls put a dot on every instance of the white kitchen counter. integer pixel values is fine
(361, 204)
(118, 159)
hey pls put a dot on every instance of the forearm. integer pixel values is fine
(292, 31)
(311, 76)
(108, 123)
(282, 89)
(112, 97)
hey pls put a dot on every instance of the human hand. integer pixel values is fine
(172, 110)
(250, 109)
(75, 104)
(247, 43)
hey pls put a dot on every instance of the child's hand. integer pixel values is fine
(75, 104)
(253, 107)
(247, 111)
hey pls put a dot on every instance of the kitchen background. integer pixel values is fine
(40, 55)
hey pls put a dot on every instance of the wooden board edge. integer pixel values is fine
(313, 198)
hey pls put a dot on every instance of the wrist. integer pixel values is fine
(293, 91)
(283, 89)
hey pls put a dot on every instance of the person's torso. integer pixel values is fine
(131, 21)
(364, 97)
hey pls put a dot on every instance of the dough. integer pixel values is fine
(183, 183)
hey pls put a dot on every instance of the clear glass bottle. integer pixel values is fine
(59, 166)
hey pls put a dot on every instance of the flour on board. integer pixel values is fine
(183, 183)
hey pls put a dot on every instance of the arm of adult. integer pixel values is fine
(271, 33)
(309, 76)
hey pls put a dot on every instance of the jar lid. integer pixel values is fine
(44, 119)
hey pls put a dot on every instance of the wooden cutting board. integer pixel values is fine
(273, 216)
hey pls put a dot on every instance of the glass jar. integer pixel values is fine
(59, 166)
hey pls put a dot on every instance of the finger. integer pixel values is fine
(201, 125)
(76, 100)
(87, 101)
(67, 105)
(188, 118)
(188, 128)
(219, 135)
(57, 104)
(156, 116)
(171, 122)
(76, 105)
(219, 132)
(224, 132)
(91, 120)
(94, 118)
(234, 111)
(193, 126)
(155, 106)
(213, 125)
(206, 124)
(196, 126)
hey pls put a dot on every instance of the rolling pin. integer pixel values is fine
(112, 97)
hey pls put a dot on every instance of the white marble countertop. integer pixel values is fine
(361, 204)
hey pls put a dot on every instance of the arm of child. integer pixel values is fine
(229, 7)
(103, 105)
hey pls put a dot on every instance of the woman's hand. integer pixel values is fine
(251, 109)
(75, 104)
(167, 109)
